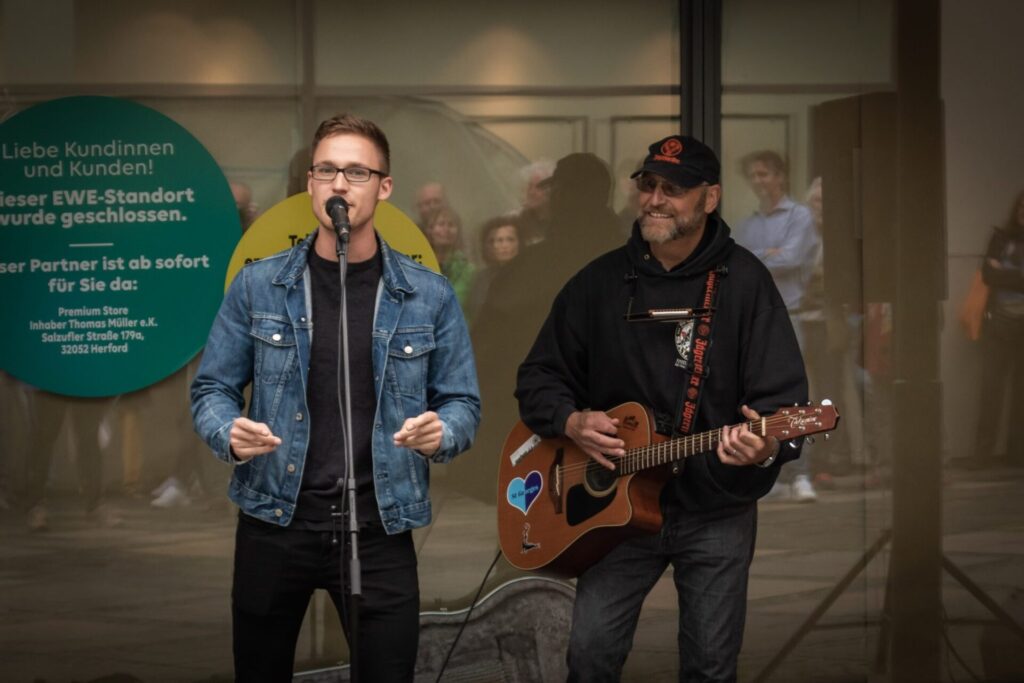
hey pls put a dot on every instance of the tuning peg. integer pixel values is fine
(793, 444)
(826, 435)
(826, 402)
(809, 439)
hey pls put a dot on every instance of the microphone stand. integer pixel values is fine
(350, 522)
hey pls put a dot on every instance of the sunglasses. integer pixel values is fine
(648, 184)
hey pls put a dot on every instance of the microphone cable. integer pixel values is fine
(469, 613)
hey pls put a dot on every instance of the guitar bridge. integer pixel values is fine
(555, 480)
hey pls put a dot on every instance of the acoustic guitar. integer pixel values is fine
(559, 511)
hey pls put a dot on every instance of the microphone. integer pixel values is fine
(337, 209)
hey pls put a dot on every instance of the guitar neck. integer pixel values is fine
(785, 425)
(674, 450)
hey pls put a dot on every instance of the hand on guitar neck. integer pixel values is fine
(740, 446)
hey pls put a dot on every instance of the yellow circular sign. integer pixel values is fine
(289, 221)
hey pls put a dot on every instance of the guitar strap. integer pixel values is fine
(698, 369)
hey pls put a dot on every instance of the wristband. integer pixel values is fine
(767, 462)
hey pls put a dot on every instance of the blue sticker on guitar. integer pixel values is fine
(522, 492)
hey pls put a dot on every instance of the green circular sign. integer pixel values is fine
(116, 228)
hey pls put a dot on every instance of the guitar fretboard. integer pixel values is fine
(673, 450)
(785, 425)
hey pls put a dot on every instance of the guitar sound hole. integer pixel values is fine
(599, 480)
(581, 506)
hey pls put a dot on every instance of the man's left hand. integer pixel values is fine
(421, 433)
(740, 446)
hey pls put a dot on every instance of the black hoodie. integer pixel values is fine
(588, 356)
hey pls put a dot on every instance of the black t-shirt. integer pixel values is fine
(323, 477)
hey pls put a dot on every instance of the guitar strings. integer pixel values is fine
(642, 457)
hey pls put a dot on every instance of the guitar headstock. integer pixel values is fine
(798, 421)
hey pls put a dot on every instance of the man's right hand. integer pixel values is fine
(249, 439)
(594, 432)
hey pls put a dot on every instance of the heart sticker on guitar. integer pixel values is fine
(522, 492)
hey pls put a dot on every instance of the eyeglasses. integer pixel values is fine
(649, 184)
(354, 174)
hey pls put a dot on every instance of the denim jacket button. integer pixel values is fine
(276, 337)
(298, 417)
(291, 468)
(408, 349)
(279, 512)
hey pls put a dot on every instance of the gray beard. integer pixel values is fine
(658, 236)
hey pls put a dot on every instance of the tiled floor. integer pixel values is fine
(150, 598)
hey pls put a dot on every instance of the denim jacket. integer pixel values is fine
(422, 360)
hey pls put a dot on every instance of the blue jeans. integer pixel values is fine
(710, 553)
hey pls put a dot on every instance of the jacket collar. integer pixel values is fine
(394, 270)
(295, 265)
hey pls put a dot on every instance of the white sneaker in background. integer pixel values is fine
(172, 496)
(159, 490)
(803, 489)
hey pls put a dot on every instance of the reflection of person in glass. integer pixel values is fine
(781, 233)
(244, 203)
(588, 358)
(500, 240)
(1002, 336)
(86, 418)
(278, 331)
(582, 226)
(499, 245)
(429, 198)
(444, 232)
(535, 213)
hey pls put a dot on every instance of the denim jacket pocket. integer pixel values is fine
(250, 472)
(275, 359)
(408, 360)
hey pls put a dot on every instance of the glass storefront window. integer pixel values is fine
(481, 104)
(117, 541)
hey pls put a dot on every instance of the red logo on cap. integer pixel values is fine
(672, 147)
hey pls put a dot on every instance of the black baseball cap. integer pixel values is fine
(683, 160)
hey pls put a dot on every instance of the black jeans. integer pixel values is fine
(276, 571)
(710, 554)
